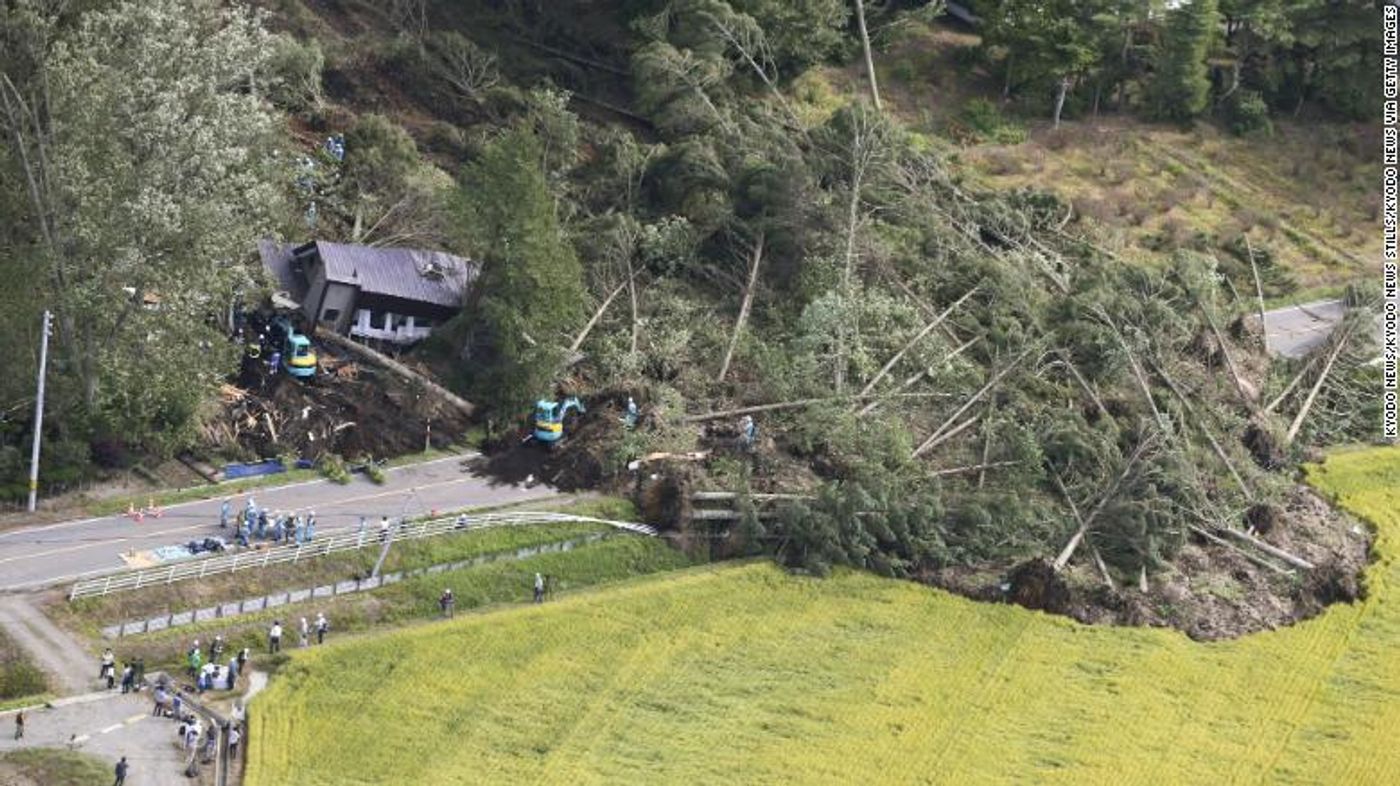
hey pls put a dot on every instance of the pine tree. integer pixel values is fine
(531, 284)
(1180, 89)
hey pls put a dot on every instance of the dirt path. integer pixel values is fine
(72, 668)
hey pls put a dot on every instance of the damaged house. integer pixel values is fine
(393, 295)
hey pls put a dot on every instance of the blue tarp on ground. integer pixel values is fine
(269, 467)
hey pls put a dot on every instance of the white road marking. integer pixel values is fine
(205, 526)
(137, 717)
(111, 728)
(263, 490)
(81, 738)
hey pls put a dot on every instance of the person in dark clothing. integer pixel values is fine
(140, 672)
(128, 678)
(121, 773)
(19, 724)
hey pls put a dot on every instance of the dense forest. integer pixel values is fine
(664, 207)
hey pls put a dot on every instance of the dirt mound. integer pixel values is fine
(349, 409)
(1036, 585)
(1214, 592)
(582, 460)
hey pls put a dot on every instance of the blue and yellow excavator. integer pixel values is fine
(549, 419)
(298, 358)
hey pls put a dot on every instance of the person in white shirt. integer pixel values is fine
(274, 637)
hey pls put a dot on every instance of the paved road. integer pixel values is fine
(51, 554)
(1297, 330)
(109, 728)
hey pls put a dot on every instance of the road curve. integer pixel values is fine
(1296, 331)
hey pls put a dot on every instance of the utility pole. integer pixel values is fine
(39, 415)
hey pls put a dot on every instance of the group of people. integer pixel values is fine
(259, 523)
(133, 672)
(320, 627)
(214, 674)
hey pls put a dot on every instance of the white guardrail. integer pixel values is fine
(256, 558)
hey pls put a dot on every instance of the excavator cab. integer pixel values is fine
(298, 358)
(549, 419)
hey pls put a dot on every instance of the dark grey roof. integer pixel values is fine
(424, 276)
(277, 258)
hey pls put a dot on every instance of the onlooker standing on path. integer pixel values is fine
(539, 588)
(177, 705)
(274, 637)
(446, 602)
(224, 510)
(108, 661)
(242, 659)
(216, 650)
(322, 625)
(234, 737)
(121, 773)
(160, 699)
(19, 724)
(196, 659)
(305, 633)
(140, 672)
(128, 678)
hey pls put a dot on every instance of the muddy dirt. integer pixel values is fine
(1212, 592)
(350, 409)
(583, 460)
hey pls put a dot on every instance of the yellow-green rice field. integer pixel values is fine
(744, 674)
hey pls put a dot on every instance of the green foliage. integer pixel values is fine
(294, 78)
(157, 178)
(380, 157)
(18, 677)
(1248, 114)
(332, 467)
(983, 121)
(55, 767)
(874, 525)
(527, 295)
(1180, 87)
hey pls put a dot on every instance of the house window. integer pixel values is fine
(378, 320)
(330, 315)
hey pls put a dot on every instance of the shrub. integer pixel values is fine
(333, 467)
(1246, 113)
(984, 122)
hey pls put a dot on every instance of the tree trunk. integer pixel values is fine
(869, 59)
(744, 307)
(1259, 293)
(938, 320)
(1302, 416)
(1060, 94)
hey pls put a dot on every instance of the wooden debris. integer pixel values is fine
(1302, 416)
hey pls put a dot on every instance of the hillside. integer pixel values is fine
(925, 337)
(744, 673)
(1302, 192)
